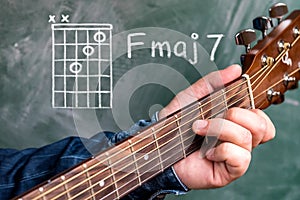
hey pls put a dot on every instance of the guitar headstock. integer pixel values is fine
(273, 64)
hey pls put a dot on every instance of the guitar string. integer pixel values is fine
(220, 95)
(148, 178)
(277, 59)
(177, 128)
(185, 140)
(292, 73)
(296, 70)
(176, 152)
(235, 87)
(68, 180)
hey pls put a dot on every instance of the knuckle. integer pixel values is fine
(247, 158)
(231, 114)
(247, 137)
(263, 125)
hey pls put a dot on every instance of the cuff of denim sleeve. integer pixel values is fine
(165, 183)
(185, 188)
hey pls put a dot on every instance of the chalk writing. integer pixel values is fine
(51, 19)
(79, 52)
(218, 40)
(179, 49)
(65, 18)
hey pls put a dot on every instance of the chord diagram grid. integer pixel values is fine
(81, 66)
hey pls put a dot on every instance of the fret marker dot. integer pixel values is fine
(41, 189)
(63, 178)
(84, 166)
(101, 183)
(146, 157)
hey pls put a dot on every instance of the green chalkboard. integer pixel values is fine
(28, 119)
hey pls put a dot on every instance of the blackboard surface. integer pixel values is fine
(27, 118)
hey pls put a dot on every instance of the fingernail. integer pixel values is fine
(200, 124)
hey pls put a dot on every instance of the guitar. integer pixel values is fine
(270, 68)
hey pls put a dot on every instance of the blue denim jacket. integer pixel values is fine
(22, 170)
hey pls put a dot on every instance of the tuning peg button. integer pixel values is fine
(245, 37)
(296, 32)
(278, 10)
(275, 97)
(290, 82)
(263, 24)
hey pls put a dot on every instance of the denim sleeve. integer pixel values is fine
(22, 170)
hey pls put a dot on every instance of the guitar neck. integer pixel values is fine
(120, 169)
(115, 172)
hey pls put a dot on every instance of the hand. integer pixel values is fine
(239, 131)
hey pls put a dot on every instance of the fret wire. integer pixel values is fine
(63, 178)
(157, 147)
(41, 190)
(135, 163)
(89, 182)
(201, 110)
(113, 177)
(156, 130)
(224, 98)
(181, 139)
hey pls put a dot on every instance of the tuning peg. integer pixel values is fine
(274, 96)
(290, 82)
(278, 10)
(263, 24)
(245, 37)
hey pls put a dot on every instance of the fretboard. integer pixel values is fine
(120, 169)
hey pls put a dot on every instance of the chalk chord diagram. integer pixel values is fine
(81, 66)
